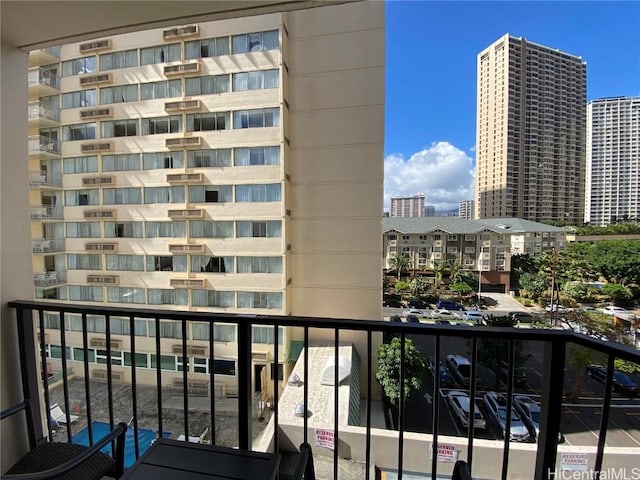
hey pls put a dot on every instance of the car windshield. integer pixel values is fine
(502, 413)
(464, 369)
(622, 378)
(535, 416)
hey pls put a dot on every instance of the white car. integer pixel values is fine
(619, 312)
(557, 308)
(460, 404)
(442, 314)
(412, 311)
(474, 316)
(496, 405)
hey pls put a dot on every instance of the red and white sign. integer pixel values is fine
(574, 461)
(325, 438)
(446, 453)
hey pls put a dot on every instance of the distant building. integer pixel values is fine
(613, 160)
(466, 209)
(430, 211)
(407, 206)
(530, 139)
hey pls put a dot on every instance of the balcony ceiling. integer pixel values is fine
(35, 24)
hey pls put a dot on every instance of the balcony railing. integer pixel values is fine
(47, 245)
(46, 212)
(48, 279)
(40, 76)
(42, 178)
(39, 111)
(43, 145)
(108, 346)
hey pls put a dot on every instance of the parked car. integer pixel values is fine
(588, 309)
(445, 377)
(395, 318)
(496, 404)
(619, 312)
(393, 303)
(621, 382)
(460, 368)
(529, 411)
(519, 374)
(461, 406)
(412, 311)
(442, 314)
(413, 319)
(521, 317)
(556, 308)
(441, 321)
(449, 305)
(474, 316)
(415, 303)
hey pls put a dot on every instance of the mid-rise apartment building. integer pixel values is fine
(476, 245)
(412, 206)
(210, 167)
(613, 160)
(530, 132)
(466, 209)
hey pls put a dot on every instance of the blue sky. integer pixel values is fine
(431, 77)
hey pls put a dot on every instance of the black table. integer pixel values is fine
(175, 460)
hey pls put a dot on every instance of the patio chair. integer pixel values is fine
(66, 461)
(59, 416)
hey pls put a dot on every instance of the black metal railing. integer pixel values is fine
(555, 344)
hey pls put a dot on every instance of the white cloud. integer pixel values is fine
(443, 172)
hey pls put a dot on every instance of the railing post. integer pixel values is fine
(30, 373)
(244, 386)
(551, 409)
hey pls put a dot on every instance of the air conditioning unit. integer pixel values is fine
(194, 351)
(103, 279)
(261, 356)
(100, 214)
(103, 375)
(95, 113)
(95, 46)
(186, 248)
(98, 181)
(183, 105)
(486, 243)
(437, 243)
(184, 177)
(101, 342)
(187, 213)
(96, 147)
(187, 282)
(188, 31)
(183, 142)
(101, 247)
(182, 68)
(95, 79)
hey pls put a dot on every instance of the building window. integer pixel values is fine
(119, 128)
(209, 158)
(161, 263)
(201, 122)
(206, 263)
(452, 238)
(266, 335)
(83, 98)
(224, 367)
(256, 156)
(164, 89)
(255, 42)
(269, 228)
(452, 249)
(123, 196)
(210, 47)
(74, 198)
(83, 229)
(261, 79)
(125, 295)
(115, 60)
(123, 229)
(161, 160)
(164, 296)
(210, 193)
(159, 125)
(120, 163)
(129, 263)
(80, 164)
(79, 66)
(469, 238)
(259, 264)
(269, 300)
(258, 193)
(119, 94)
(212, 298)
(164, 194)
(166, 229)
(162, 54)
(85, 294)
(80, 131)
(209, 229)
(393, 237)
(83, 261)
(207, 85)
(256, 118)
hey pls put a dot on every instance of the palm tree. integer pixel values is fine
(454, 268)
(400, 263)
(440, 267)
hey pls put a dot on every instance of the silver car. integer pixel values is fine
(461, 406)
(497, 406)
(529, 411)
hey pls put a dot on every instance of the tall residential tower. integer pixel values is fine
(613, 160)
(530, 150)
(407, 206)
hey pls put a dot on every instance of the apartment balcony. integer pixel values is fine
(47, 245)
(271, 400)
(46, 212)
(41, 115)
(42, 83)
(49, 279)
(41, 147)
(41, 178)
(44, 56)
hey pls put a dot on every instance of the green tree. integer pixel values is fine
(440, 268)
(616, 292)
(575, 290)
(388, 374)
(454, 268)
(618, 261)
(533, 284)
(461, 288)
(400, 263)
(402, 287)
(418, 286)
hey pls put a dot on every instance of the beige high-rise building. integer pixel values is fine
(530, 137)
(407, 206)
(466, 209)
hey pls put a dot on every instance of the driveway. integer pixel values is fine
(504, 302)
